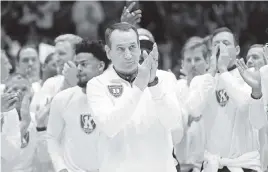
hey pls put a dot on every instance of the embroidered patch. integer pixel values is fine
(87, 123)
(222, 97)
(116, 90)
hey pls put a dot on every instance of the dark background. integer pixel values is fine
(172, 23)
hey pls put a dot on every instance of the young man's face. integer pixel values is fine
(88, 67)
(194, 62)
(63, 52)
(124, 51)
(227, 39)
(255, 58)
(28, 61)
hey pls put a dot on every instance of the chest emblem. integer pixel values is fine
(222, 97)
(115, 90)
(87, 123)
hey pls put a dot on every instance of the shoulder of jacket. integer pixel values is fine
(66, 94)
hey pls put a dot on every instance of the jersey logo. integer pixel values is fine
(87, 123)
(222, 97)
(116, 90)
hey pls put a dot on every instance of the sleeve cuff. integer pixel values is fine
(136, 94)
(157, 91)
(40, 129)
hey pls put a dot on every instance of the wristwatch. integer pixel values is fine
(40, 129)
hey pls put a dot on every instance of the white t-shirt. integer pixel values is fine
(78, 149)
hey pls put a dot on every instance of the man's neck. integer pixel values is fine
(127, 76)
(84, 90)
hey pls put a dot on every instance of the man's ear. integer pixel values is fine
(237, 50)
(107, 49)
(101, 66)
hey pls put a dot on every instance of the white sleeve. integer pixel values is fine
(201, 89)
(110, 117)
(257, 114)
(236, 88)
(54, 130)
(166, 104)
(10, 136)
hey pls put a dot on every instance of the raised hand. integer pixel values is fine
(213, 60)
(8, 101)
(224, 59)
(153, 57)
(131, 17)
(42, 114)
(252, 78)
(70, 74)
(144, 71)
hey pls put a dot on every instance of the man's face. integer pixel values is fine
(124, 51)
(18, 85)
(5, 66)
(64, 52)
(227, 38)
(255, 58)
(194, 62)
(51, 68)
(28, 61)
(88, 67)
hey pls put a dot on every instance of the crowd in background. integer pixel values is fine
(172, 23)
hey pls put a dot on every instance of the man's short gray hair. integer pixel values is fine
(71, 38)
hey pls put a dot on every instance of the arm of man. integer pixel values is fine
(201, 89)
(166, 104)
(110, 117)
(257, 112)
(10, 136)
(54, 130)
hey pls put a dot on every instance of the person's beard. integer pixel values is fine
(82, 84)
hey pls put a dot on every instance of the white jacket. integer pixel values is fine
(137, 124)
(232, 118)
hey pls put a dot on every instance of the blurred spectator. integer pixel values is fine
(28, 63)
(87, 15)
(49, 68)
(171, 23)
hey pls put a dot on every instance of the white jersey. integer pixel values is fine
(190, 151)
(69, 115)
(229, 112)
(264, 131)
(17, 159)
(137, 124)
